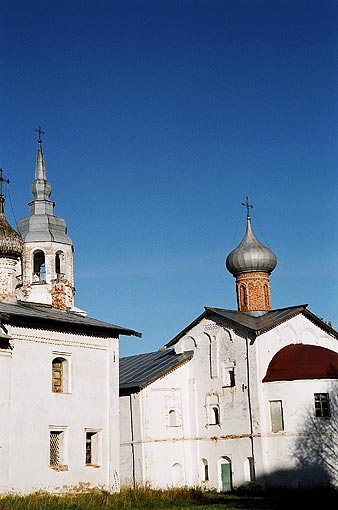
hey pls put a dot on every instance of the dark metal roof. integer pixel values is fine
(138, 371)
(301, 361)
(44, 316)
(256, 325)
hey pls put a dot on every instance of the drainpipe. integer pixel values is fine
(252, 467)
(132, 440)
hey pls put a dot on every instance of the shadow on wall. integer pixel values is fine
(316, 449)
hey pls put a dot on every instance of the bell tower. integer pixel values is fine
(47, 259)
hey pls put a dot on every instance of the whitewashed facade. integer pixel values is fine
(59, 368)
(46, 432)
(253, 403)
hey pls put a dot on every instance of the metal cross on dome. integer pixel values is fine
(247, 205)
(2, 179)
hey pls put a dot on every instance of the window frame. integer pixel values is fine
(39, 267)
(213, 410)
(93, 437)
(276, 419)
(65, 360)
(320, 410)
(61, 433)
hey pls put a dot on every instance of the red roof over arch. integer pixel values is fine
(299, 361)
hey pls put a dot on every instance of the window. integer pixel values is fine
(214, 416)
(213, 409)
(204, 470)
(59, 265)
(177, 473)
(93, 448)
(322, 405)
(276, 414)
(228, 374)
(39, 267)
(60, 379)
(57, 449)
(172, 418)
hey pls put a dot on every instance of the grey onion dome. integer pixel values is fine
(11, 243)
(250, 255)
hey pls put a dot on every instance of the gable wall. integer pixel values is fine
(280, 450)
(243, 408)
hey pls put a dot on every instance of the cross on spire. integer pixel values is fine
(39, 130)
(247, 205)
(2, 179)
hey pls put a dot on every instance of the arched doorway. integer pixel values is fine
(225, 474)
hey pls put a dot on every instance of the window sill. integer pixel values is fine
(61, 467)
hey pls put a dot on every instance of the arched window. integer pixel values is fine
(243, 297)
(172, 418)
(214, 415)
(59, 264)
(59, 375)
(177, 471)
(213, 409)
(39, 267)
(204, 470)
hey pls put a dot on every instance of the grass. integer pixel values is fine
(173, 499)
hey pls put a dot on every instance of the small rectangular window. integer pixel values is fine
(276, 414)
(57, 452)
(322, 405)
(228, 374)
(93, 448)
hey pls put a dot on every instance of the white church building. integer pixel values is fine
(238, 398)
(59, 404)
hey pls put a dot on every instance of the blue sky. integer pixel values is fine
(159, 118)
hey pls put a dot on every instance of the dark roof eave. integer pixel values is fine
(258, 327)
(62, 323)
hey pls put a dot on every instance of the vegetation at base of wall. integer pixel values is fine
(172, 499)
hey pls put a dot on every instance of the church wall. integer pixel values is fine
(85, 406)
(280, 449)
(220, 371)
(216, 376)
(5, 378)
(226, 373)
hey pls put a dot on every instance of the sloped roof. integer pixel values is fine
(45, 317)
(256, 324)
(302, 361)
(138, 371)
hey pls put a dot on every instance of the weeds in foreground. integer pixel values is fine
(171, 499)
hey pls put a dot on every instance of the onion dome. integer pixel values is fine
(11, 243)
(250, 255)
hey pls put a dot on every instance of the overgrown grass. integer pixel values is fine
(172, 499)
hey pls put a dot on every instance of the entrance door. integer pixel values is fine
(226, 477)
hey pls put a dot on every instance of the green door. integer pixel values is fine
(226, 477)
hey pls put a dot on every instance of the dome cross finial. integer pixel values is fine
(2, 179)
(247, 205)
(39, 130)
